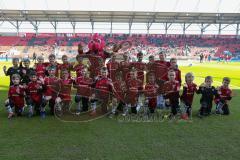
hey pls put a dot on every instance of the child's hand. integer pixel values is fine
(41, 80)
(185, 85)
(24, 71)
(93, 96)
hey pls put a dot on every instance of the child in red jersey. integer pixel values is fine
(150, 66)
(34, 94)
(120, 89)
(189, 88)
(103, 89)
(52, 64)
(66, 65)
(140, 67)
(113, 67)
(83, 85)
(15, 99)
(134, 89)
(40, 67)
(79, 67)
(161, 74)
(50, 91)
(173, 63)
(151, 92)
(65, 87)
(171, 92)
(125, 66)
(223, 97)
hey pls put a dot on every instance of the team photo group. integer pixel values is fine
(93, 84)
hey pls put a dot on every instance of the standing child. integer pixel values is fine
(66, 65)
(50, 91)
(189, 88)
(151, 92)
(113, 67)
(173, 63)
(79, 67)
(134, 89)
(15, 99)
(64, 97)
(208, 92)
(12, 70)
(223, 97)
(120, 89)
(25, 71)
(52, 64)
(125, 66)
(34, 94)
(103, 90)
(40, 67)
(150, 66)
(140, 66)
(171, 92)
(83, 85)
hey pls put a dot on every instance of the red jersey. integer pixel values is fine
(40, 70)
(188, 93)
(65, 89)
(120, 90)
(140, 67)
(223, 94)
(33, 90)
(51, 86)
(125, 68)
(65, 66)
(134, 87)
(16, 95)
(78, 69)
(83, 85)
(171, 90)
(112, 69)
(55, 65)
(96, 64)
(151, 94)
(103, 86)
(161, 70)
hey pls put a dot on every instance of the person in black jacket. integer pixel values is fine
(208, 92)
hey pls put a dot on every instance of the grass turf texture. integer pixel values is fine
(214, 137)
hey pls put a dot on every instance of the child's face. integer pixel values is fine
(26, 64)
(189, 79)
(52, 59)
(65, 74)
(208, 82)
(80, 60)
(65, 60)
(173, 63)
(125, 57)
(162, 57)
(104, 73)
(51, 72)
(151, 59)
(34, 78)
(226, 83)
(151, 79)
(16, 81)
(15, 63)
(171, 76)
(133, 75)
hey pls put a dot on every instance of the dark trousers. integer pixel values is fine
(84, 100)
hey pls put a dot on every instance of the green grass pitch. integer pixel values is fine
(211, 138)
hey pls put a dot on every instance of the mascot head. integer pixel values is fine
(96, 44)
